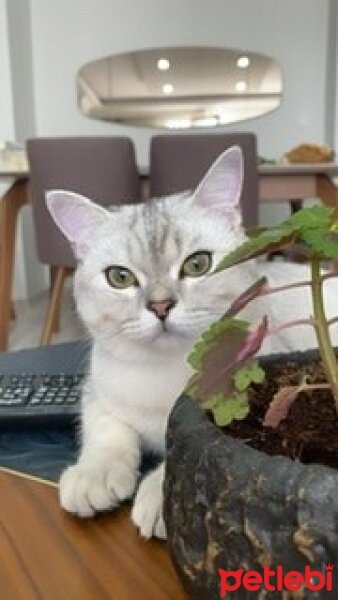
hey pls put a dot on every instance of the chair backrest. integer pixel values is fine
(101, 168)
(179, 162)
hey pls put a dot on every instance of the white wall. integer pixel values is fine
(34, 278)
(333, 72)
(331, 75)
(8, 131)
(68, 34)
(6, 98)
(20, 44)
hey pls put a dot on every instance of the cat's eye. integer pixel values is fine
(196, 265)
(120, 277)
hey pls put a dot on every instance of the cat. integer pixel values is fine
(143, 290)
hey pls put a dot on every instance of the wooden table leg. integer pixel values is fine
(53, 312)
(10, 203)
(53, 271)
(327, 191)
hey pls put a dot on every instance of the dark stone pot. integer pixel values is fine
(228, 506)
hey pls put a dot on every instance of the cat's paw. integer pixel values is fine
(85, 489)
(147, 509)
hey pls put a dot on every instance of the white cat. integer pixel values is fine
(142, 289)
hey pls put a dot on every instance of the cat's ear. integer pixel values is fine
(220, 190)
(77, 217)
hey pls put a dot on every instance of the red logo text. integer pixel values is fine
(275, 580)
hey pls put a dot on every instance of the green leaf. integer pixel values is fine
(268, 241)
(213, 335)
(281, 236)
(323, 242)
(249, 373)
(318, 216)
(334, 226)
(225, 410)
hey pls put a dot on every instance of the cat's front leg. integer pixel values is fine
(147, 513)
(107, 470)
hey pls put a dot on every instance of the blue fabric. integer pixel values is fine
(41, 453)
(45, 453)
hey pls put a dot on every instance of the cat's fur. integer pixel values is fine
(138, 365)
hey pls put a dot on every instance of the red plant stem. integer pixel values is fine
(279, 328)
(315, 386)
(272, 290)
(274, 330)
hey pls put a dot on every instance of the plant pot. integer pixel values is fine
(228, 506)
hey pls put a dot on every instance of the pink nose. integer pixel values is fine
(161, 309)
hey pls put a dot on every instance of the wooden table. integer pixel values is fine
(45, 554)
(298, 182)
(276, 183)
(11, 202)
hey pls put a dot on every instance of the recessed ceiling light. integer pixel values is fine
(178, 123)
(206, 122)
(163, 64)
(243, 62)
(241, 86)
(226, 116)
(168, 88)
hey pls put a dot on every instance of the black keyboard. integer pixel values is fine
(30, 398)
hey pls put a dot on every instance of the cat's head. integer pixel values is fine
(143, 270)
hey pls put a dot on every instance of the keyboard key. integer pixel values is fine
(10, 401)
(51, 392)
(59, 400)
(47, 400)
(71, 400)
(34, 400)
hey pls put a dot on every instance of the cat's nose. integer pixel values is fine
(161, 309)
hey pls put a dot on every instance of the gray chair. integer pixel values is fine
(179, 162)
(101, 168)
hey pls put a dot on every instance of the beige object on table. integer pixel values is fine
(308, 153)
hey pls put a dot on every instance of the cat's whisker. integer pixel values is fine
(105, 335)
(190, 319)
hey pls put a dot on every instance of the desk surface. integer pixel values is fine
(14, 164)
(6, 174)
(46, 553)
(330, 169)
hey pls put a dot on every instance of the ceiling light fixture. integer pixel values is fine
(178, 123)
(163, 64)
(206, 122)
(243, 62)
(168, 88)
(226, 116)
(241, 86)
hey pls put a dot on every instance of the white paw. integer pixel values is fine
(85, 489)
(147, 509)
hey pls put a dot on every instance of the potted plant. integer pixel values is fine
(251, 488)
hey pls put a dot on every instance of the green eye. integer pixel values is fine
(196, 265)
(120, 277)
